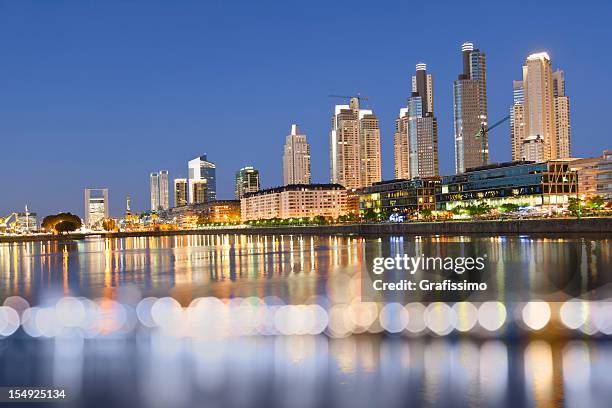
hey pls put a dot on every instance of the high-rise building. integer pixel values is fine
(470, 110)
(532, 149)
(199, 191)
(542, 109)
(247, 181)
(164, 201)
(159, 190)
(415, 141)
(96, 206)
(181, 197)
(202, 169)
(354, 146)
(562, 115)
(517, 120)
(154, 186)
(296, 158)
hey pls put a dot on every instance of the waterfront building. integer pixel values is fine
(202, 169)
(296, 158)
(154, 190)
(25, 221)
(541, 108)
(415, 141)
(181, 197)
(470, 110)
(587, 170)
(604, 176)
(354, 146)
(199, 191)
(96, 206)
(295, 201)
(546, 185)
(404, 197)
(223, 211)
(247, 181)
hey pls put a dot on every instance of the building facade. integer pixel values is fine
(532, 149)
(154, 190)
(201, 169)
(470, 111)
(199, 191)
(604, 176)
(181, 196)
(415, 141)
(541, 108)
(96, 206)
(164, 199)
(247, 181)
(404, 197)
(224, 211)
(354, 146)
(545, 185)
(295, 201)
(296, 158)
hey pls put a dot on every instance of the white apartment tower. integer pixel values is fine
(354, 146)
(296, 158)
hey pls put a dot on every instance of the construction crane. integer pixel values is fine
(358, 97)
(5, 221)
(483, 133)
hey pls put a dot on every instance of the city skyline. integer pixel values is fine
(42, 116)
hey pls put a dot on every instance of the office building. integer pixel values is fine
(354, 146)
(181, 197)
(470, 110)
(604, 176)
(199, 191)
(202, 169)
(295, 201)
(415, 141)
(296, 158)
(247, 181)
(223, 211)
(405, 197)
(541, 108)
(546, 186)
(96, 206)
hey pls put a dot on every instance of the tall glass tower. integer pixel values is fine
(200, 169)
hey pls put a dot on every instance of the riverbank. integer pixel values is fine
(530, 226)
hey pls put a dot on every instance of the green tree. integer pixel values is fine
(62, 222)
(426, 213)
(509, 207)
(575, 206)
(596, 202)
(109, 224)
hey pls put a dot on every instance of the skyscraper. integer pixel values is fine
(154, 184)
(96, 206)
(470, 110)
(415, 141)
(201, 169)
(159, 190)
(247, 181)
(199, 191)
(517, 120)
(181, 197)
(164, 201)
(544, 109)
(354, 146)
(296, 158)
(562, 115)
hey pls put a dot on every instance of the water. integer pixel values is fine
(510, 367)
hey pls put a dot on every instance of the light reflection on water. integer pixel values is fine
(366, 370)
(309, 371)
(291, 267)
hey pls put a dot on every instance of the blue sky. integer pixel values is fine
(101, 93)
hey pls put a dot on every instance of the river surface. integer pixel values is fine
(365, 367)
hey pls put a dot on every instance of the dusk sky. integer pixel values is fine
(101, 93)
